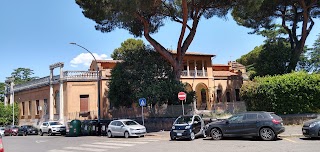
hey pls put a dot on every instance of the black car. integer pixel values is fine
(311, 128)
(189, 127)
(27, 130)
(266, 125)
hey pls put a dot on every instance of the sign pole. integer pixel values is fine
(142, 116)
(182, 107)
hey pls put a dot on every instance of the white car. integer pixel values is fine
(52, 128)
(2, 131)
(126, 128)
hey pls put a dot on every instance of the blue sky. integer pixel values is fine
(36, 33)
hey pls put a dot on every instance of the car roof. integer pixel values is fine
(123, 120)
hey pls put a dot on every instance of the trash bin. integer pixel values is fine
(75, 128)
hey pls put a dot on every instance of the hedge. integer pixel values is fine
(292, 93)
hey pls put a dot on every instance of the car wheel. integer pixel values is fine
(40, 133)
(204, 135)
(126, 134)
(109, 134)
(216, 134)
(25, 134)
(50, 133)
(267, 134)
(192, 136)
(172, 137)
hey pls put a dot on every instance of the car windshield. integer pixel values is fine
(55, 123)
(128, 123)
(184, 120)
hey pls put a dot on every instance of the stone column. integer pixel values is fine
(11, 92)
(188, 71)
(195, 68)
(203, 72)
(51, 96)
(5, 96)
(61, 95)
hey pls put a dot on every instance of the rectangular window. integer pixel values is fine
(228, 96)
(22, 108)
(84, 101)
(219, 95)
(29, 112)
(237, 94)
(37, 107)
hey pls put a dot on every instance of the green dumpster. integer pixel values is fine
(75, 128)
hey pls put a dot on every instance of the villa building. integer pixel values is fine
(72, 94)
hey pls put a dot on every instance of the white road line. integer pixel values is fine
(290, 140)
(56, 150)
(84, 149)
(113, 144)
(127, 142)
(100, 146)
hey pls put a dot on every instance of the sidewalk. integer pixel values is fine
(291, 131)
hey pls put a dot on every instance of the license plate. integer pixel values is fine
(179, 134)
(33, 132)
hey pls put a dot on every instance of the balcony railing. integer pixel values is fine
(192, 73)
(80, 75)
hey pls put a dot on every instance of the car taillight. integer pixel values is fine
(276, 121)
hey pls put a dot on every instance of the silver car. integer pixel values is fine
(2, 131)
(126, 128)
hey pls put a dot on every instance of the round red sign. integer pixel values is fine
(182, 95)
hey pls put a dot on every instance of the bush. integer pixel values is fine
(292, 93)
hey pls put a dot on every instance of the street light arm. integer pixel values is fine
(87, 51)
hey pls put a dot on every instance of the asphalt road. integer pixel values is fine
(154, 144)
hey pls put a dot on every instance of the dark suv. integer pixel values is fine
(266, 125)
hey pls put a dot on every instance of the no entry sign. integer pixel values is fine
(182, 95)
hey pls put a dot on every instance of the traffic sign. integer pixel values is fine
(182, 95)
(142, 102)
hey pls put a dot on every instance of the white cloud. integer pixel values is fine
(85, 59)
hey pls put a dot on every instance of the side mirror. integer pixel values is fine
(122, 125)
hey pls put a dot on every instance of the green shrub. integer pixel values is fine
(292, 93)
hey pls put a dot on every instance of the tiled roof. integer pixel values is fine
(220, 65)
(223, 73)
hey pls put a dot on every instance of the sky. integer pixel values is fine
(37, 33)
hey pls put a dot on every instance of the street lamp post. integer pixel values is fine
(98, 81)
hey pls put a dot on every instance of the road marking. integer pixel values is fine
(290, 140)
(127, 142)
(84, 149)
(41, 141)
(113, 144)
(100, 146)
(56, 150)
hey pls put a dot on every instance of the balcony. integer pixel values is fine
(80, 75)
(193, 73)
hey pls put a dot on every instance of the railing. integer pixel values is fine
(67, 76)
(80, 75)
(192, 73)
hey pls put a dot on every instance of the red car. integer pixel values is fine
(11, 130)
(1, 145)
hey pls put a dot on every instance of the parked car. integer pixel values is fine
(2, 131)
(27, 130)
(265, 125)
(126, 128)
(188, 126)
(52, 128)
(1, 145)
(311, 128)
(11, 130)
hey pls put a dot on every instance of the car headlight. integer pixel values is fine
(312, 125)
(187, 127)
(173, 127)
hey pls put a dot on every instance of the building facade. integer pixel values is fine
(73, 94)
